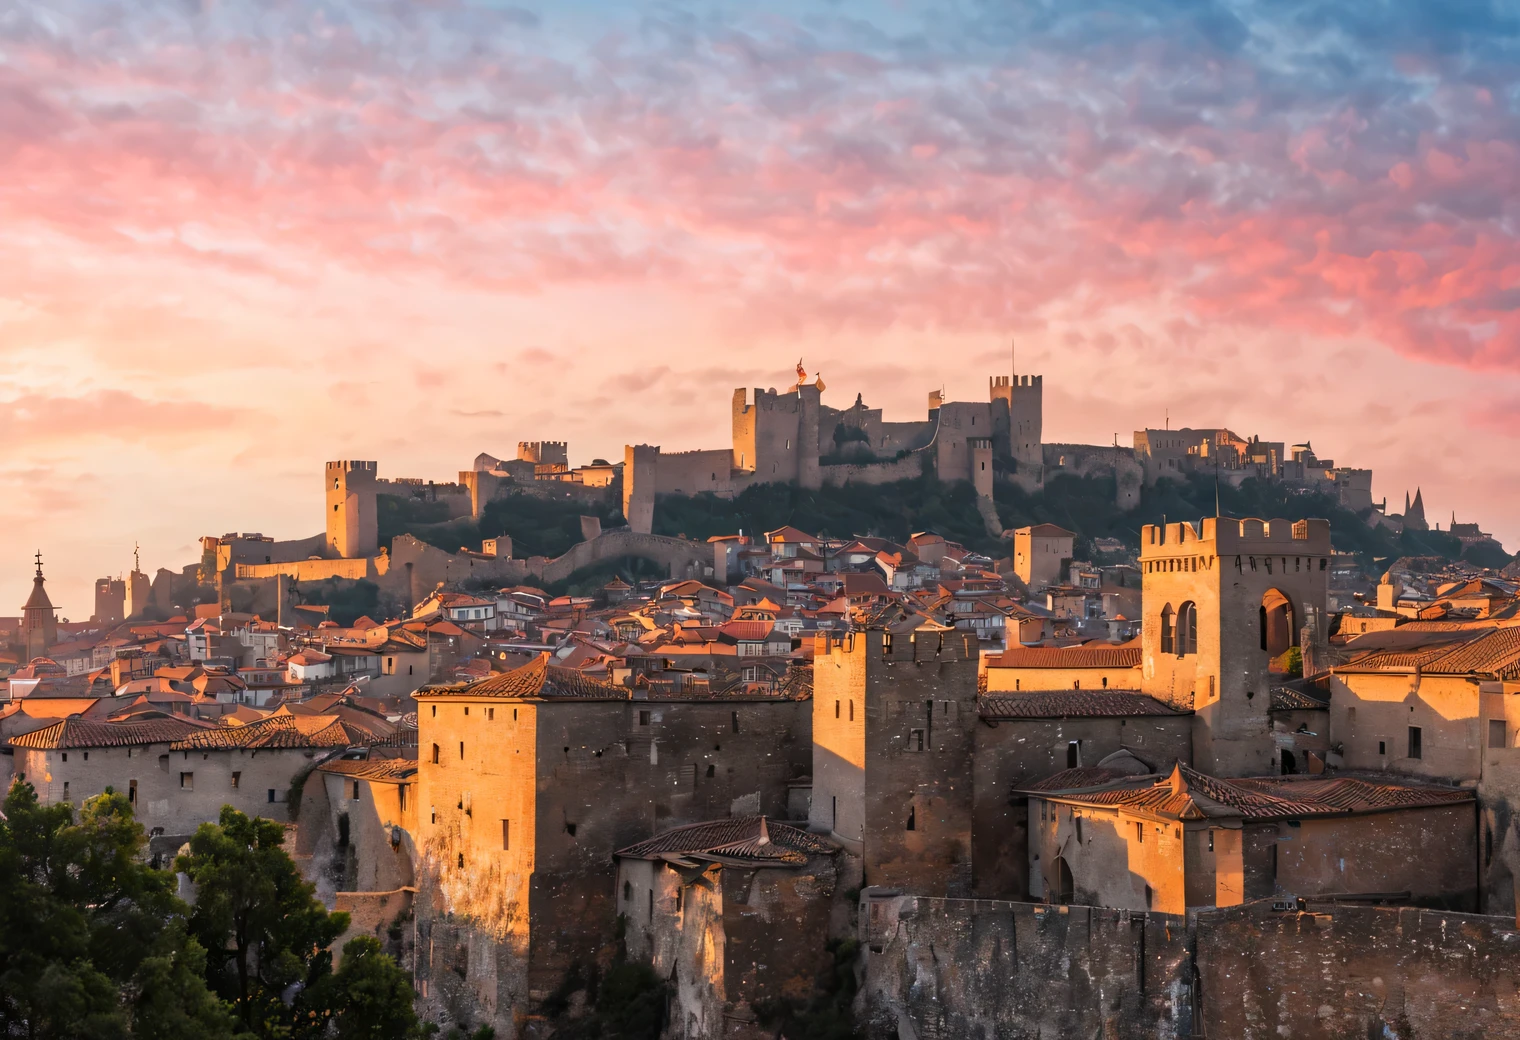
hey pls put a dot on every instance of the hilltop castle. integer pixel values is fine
(792, 437)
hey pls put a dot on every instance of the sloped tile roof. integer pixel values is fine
(1187, 794)
(753, 838)
(392, 769)
(78, 733)
(1088, 655)
(1285, 698)
(537, 678)
(1494, 654)
(280, 730)
(1065, 704)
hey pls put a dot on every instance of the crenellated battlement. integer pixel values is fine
(1221, 535)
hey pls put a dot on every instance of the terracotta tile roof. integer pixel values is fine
(77, 733)
(1066, 704)
(1497, 653)
(279, 730)
(382, 769)
(1285, 698)
(1087, 655)
(1187, 794)
(1076, 779)
(754, 839)
(537, 678)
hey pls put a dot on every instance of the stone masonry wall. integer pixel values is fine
(977, 969)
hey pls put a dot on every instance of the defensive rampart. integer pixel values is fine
(943, 968)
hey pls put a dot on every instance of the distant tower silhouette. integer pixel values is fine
(39, 625)
(1414, 512)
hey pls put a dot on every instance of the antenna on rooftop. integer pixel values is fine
(136, 558)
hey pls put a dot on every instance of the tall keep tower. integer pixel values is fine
(39, 624)
(1018, 422)
(352, 524)
(1220, 603)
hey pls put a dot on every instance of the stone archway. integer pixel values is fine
(1278, 628)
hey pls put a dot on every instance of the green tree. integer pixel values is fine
(372, 995)
(266, 932)
(93, 943)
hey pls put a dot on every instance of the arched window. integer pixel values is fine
(1186, 636)
(1168, 633)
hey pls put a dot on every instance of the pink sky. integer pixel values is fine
(238, 243)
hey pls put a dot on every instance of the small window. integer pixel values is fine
(467, 709)
(570, 829)
(1072, 754)
(354, 794)
(643, 718)
(435, 711)
(1211, 841)
(401, 796)
(65, 790)
(461, 861)
(836, 709)
(272, 797)
(1497, 733)
(734, 720)
(65, 756)
(912, 818)
(1414, 742)
(461, 749)
(435, 754)
(132, 792)
(490, 714)
(514, 714)
(915, 740)
(627, 891)
(1139, 833)
(506, 835)
(1382, 747)
(852, 711)
(237, 778)
(187, 781)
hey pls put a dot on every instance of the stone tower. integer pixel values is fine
(894, 722)
(1018, 423)
(1220, 603)
(352, 521)
(639, 464)
(39, 623)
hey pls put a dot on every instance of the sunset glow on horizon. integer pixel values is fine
(239, 240)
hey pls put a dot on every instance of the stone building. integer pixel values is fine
(352, 509)
(1027, 736)
(1092, 666)
(531, 779)
(178, 773)
(792, 437)
(731, 912)
(894, 727)
(1223, 601)
(1041, 554)
(1174, 843)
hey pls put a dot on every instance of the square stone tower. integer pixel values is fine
(1221, 603)
(352, 521)
(894, 723)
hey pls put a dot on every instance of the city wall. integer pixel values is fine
(978, 969)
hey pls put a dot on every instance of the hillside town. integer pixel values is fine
(1184, 769)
